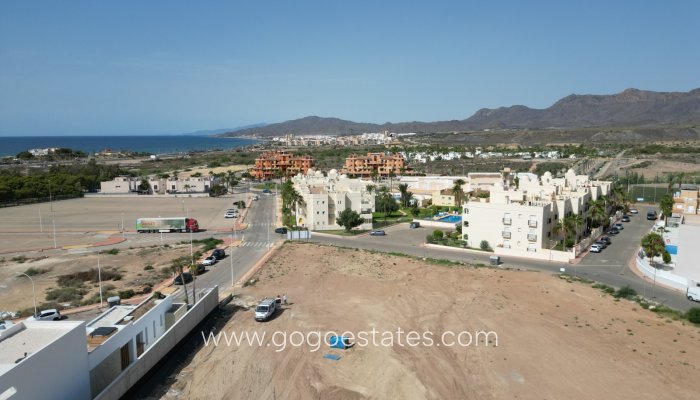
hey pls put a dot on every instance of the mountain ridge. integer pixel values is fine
(631, 107)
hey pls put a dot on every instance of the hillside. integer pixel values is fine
(630, 108)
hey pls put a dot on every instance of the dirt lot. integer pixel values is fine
(94, 219)
(653, 167)
(556, 339)
(129, 265)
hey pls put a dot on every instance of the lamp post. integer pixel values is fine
(122, 225)
(53, 221)
(33, 291)
(231, 256)
(99, 277)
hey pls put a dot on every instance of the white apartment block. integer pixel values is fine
(523, 218)
(128, 184)
(325, 197)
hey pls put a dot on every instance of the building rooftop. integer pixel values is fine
(29, 337)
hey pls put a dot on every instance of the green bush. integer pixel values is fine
(19, 259)
(66, 295)
(625, 292)
(209, 243)
(438, 234)
(693, 315)
(36, 271)
(112, 251)
(148, 268)
(484, 245)
(126, 294)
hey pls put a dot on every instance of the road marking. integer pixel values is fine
(599, 265)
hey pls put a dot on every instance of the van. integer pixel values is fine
(693, 293)
(265, 309)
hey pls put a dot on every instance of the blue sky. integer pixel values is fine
(135, 67)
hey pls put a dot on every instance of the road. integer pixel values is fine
(257, 240)
(610, 267)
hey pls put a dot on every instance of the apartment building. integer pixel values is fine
(325, 197)
(158, 186)
(380, 164)
(524, 218)
(685, 200)
(100, 359)
(272, 164)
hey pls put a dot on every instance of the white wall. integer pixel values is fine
(58, 371)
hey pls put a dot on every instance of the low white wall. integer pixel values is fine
(161, 347)
(436, 224)
(540, 254)
(663, 277)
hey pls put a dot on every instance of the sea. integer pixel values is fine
(163, 144)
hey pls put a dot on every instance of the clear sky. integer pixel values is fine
(151, 67)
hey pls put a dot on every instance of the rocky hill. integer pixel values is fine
(630, 108)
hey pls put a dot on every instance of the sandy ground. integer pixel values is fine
(556, 339)
(658, 167)
(16, 292)
(95, 219)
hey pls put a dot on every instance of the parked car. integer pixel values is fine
(619, 226)
(625, 218)
(48, 315)
(201, 269)
(651, 215)
(613, 231)
(606, 240)
(266, 191)
(377, 232)
(211, 260)
(601, 243)
(265, 309)
(282, 230)
(185, 275)
(230, 215)
(232, 210)
(596, 248)
(634, 211)
(256, 198)
(218, 253)
(414, 225)
(693, 293)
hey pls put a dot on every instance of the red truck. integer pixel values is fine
(178, 224)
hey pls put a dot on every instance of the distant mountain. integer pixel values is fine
(630, 108)
(225, 130)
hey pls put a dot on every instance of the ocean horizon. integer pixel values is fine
(154, 144)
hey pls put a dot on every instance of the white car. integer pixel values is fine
(596, 248)
(230, 215)
(48, 315)
(211, 260)
(634, 211)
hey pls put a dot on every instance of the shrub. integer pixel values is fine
(19, 259)
(484, 245)
(36, 271)
(437, 234)
(112, 251)
(126, 294)
(209, 243)
(625, 292)
(148, 268)
(694, 315)
(429, 238)
(666, 257)
(66, 295)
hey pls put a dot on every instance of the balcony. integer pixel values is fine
(505, 235)
(532, 223)
(531, 237)
(507, 221)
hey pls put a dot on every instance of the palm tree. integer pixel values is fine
(457, 191)
(178, 267)
(370, 189)
(598, 214)
(405, 194)
(391, 179)
(575, 222)
(653, 245)
(374, 174)
(561, 228)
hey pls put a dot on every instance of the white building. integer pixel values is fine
(523, 218)
(44, 360)
(128, 184)
(325, 197)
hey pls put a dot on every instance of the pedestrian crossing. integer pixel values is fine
(256, 244)
(260, 224)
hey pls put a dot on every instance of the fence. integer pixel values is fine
(298, 235)
(647, 193)
(23, 202)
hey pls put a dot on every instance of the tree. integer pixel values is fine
(574, 222)
(391, 178)
(457, 191)
(653, 245)
(144, 186)
(406, 196)
(349, 219)
(414, 210)
(484, 245)
(666, 206)
(598, 213)
(178, 266)
(438, 234)
(385, 202)
(217, 190)
(561, 228)
(666, 257)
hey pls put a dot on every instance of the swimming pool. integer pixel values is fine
(455, 219)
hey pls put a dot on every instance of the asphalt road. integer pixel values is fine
(609, 267)
(256, 241)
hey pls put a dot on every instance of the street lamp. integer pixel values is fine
(33, 291)
(99, 277)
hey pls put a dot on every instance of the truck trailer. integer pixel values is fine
(178, 224)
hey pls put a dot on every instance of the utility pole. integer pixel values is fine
(231, 256)
(33, 291)
(99, 276)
